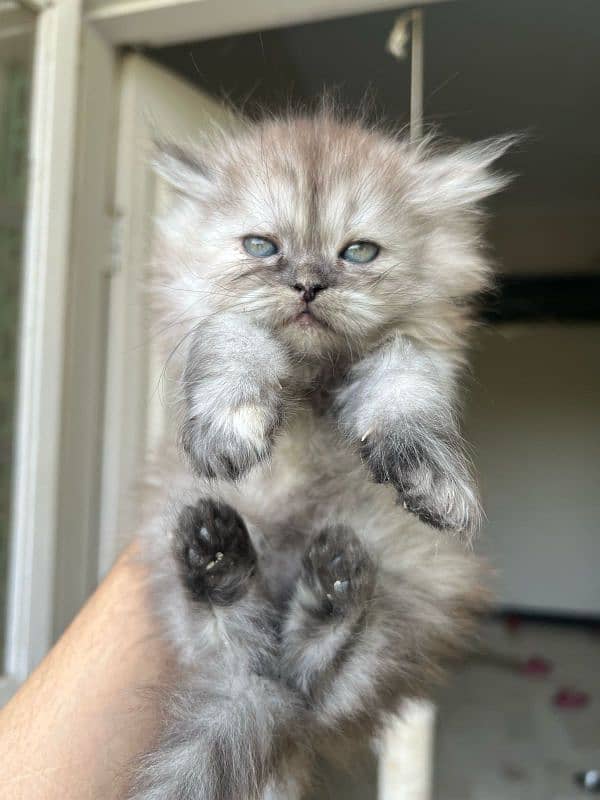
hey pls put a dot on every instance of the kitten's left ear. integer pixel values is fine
(182, 168)
(460, 178)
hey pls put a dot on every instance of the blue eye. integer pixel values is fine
(360, 252)
(259, 247)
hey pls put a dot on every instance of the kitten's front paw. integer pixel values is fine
(214, 554)
(229, 445)
(430, 475)
(338, 574)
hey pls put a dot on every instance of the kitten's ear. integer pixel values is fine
(182, 168)
(460, 178)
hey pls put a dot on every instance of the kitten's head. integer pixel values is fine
(327, 232)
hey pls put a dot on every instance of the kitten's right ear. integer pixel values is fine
(180, 167)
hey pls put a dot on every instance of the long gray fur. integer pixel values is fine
(300, 570)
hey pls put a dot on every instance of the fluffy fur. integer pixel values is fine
(304, 582)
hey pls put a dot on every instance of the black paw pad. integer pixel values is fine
(338, 572)
(214, 553)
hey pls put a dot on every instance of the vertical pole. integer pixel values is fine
(406, 760)
(416, 76)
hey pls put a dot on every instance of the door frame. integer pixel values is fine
(45, 267)
(162, 22)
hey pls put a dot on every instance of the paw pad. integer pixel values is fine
(338, 571)
(213, 551)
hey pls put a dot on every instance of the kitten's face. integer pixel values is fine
(325, 233)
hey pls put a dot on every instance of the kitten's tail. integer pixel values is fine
(221, 745)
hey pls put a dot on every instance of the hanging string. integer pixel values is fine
(409, 27)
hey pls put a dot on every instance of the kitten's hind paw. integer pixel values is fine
(214, 554)
(338, 575)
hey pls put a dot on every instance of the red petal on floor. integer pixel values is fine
(570, 698)
(537, 666)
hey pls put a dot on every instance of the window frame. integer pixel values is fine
(45, 263)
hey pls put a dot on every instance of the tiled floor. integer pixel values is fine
(499, 735)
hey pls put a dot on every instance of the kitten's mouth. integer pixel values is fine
(306, 319)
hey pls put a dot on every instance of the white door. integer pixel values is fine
(534, 420)
(153, 103)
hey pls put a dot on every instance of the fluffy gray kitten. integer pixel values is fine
(315, 278)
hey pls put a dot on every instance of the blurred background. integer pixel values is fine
(521, 719)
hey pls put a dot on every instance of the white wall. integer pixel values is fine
(534, 418)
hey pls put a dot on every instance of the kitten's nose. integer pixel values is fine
(308, 291)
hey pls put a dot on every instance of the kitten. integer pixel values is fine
(315, 284)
